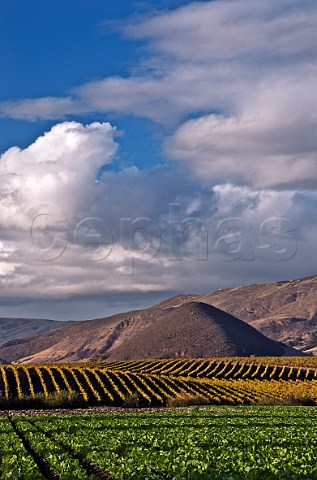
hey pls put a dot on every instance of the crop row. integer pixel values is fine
(27, 451)
(250, 442)
(217, 368)
(115, 387)
(105, 386)
(16, 462)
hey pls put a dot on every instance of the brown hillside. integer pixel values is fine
(197, 330)
(283, 311)
(81, 341)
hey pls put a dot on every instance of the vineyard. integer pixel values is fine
(157, 382)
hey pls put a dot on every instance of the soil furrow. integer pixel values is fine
(43, 465)
(91, 468)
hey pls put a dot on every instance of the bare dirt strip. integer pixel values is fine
(95, 410)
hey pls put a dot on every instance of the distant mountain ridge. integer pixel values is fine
(14, 328)
(283, 311)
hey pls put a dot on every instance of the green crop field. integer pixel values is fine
(214, 442)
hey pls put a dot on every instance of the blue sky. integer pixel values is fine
(129, 110)
(48, 48)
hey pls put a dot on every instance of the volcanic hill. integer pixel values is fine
(197, 330)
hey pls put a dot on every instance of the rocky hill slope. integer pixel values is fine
(198, 330)
(283, 311)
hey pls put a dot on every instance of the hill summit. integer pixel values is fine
(196, 330)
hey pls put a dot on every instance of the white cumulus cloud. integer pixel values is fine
(59, 168)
